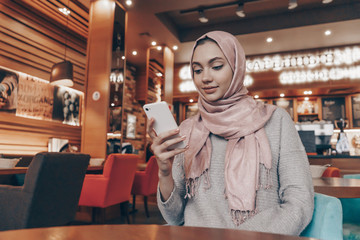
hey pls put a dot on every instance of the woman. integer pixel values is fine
(244, 165)
(8, 90)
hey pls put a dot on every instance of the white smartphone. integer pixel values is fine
(164, 120)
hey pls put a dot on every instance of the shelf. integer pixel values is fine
(307, 114)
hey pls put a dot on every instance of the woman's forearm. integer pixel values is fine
(166, 185)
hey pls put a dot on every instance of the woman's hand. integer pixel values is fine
(164, 156)
(160, 146)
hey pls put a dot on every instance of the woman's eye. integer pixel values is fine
(197, 71)
(218, 67)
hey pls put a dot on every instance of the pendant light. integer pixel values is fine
(62, 72)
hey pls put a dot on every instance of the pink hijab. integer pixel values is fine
(240, 120)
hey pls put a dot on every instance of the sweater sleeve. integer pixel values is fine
(173, 209)
(296, 195)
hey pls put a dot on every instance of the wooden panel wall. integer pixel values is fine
(32, 42)
(30, 136)
(169, 75)
(33, 35)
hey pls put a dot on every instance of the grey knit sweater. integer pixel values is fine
(285, 208)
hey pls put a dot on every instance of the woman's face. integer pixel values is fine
(212, 72)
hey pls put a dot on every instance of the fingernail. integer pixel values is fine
(183, 137)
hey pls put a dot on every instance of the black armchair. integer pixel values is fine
(50, 194)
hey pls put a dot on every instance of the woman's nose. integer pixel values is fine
(206, 76)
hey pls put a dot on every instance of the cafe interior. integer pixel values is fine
(83, 70)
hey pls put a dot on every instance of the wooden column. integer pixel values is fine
(99, 53)
(169, 75)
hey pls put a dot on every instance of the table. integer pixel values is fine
(346, 164)
(140, 232)
(338, 187)
(21, 170)
(15, 170)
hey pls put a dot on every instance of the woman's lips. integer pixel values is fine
(209, 90)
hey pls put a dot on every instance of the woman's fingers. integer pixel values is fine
(170, 154)
(167, 143)
(167, 135)
(165, 160)
(150, 128)
(161, 144)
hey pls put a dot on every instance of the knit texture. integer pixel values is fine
(285, 208)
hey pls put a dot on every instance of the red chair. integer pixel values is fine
(145, 182)
(112, 187)
(331, 172)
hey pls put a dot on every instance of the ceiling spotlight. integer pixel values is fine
(191, 100)
(292, 4)
(134, 53)
(175, 47)
(64, 11)
(202, 17)
(282, 95)
(327, 32)
(153, 43)
(240, 11)
(256, 96)
(128, 2)
(123, 57)
(326, 1)
(159, 48)
(269, 39)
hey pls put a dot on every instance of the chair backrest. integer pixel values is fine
(120, 169)
(351, 206)
(54, 181)
(353, 176)
(331, 172)
(327, 219)
(152, 169)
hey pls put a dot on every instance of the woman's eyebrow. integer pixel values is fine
(214, 59)
(210, 61)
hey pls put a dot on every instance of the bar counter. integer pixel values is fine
(346, 164)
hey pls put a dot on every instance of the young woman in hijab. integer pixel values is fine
(244, 165)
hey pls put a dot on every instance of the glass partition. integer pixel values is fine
(117, 77)
(155, 75)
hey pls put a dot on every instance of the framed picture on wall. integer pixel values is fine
(9, 82)
(131, 126)
(115, 119)
(66, 106)
(333, 108)
(355, 103)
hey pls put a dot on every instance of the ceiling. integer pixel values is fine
(175, 22)
(300, 28)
